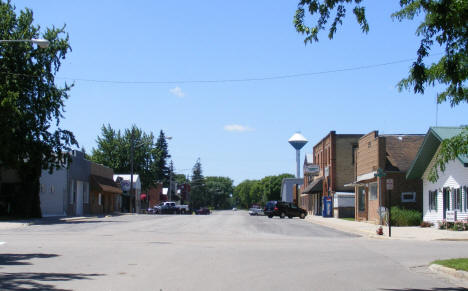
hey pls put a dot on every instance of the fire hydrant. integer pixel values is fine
(379, 230)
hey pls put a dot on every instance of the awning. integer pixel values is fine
(105, 184)
(314, 187)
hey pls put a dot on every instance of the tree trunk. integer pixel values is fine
(27, 202)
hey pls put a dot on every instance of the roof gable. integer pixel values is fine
(431, 143)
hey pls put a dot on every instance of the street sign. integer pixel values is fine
(389, 184)
(125, 185)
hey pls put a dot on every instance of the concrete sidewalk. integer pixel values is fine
(406, 232)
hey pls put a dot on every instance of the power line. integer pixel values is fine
(278, 77)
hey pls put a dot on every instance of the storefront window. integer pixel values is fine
(362, 198)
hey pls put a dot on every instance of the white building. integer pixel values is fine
(448, 195)
(127, 201)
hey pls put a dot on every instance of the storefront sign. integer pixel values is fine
(312, 170)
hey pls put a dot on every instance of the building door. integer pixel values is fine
(79, 198)
(362, 213)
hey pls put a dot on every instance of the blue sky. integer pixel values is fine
(238, 129)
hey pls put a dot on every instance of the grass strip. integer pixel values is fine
(457, 264)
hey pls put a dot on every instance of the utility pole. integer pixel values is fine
(131, 171)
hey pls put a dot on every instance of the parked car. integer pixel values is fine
(255, 210)
(283, 209)
(203, 211)
(183, 209)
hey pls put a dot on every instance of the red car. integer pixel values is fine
(203, 211)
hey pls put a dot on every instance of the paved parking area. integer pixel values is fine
(223, 251)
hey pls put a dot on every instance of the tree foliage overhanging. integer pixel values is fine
(444, 23)
(31, 104)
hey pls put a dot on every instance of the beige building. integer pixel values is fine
(393, 154)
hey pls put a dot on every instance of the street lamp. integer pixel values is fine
(42, 43)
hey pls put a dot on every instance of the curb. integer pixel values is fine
(348, 230)
(449, 271)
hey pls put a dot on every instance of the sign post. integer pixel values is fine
(380, 174)
(389, 189)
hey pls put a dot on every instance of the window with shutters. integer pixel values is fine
(433, 200)
(457, 199)
(465, 195)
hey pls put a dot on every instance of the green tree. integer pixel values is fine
(161, 156)
(242, 193)
(31, 105)
(114, 150)
(219, 190)
(198, 195)
(444, 24)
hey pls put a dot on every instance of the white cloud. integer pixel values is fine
(237, 127)
(177, 92)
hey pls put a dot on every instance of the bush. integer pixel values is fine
(405, 217)
(426, 224)
(459, 225)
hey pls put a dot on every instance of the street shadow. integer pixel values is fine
(432, 289)
(59, 221)
(39, 281)
(18, 259)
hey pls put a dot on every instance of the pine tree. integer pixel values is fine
(160, 157)
(197, 185)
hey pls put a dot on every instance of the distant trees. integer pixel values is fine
(31, 106)
(149, 158)
(219, 190)
(214, 192)
(251, 192)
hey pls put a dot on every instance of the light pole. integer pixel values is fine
(42, 43)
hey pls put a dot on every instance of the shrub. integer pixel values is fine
(459, 225)
(405, 217)
(426, 224)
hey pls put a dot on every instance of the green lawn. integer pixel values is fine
(348, 218)
(457, 264)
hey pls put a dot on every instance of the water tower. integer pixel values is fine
(298, 141)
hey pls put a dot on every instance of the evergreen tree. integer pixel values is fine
(198, 195)
(160, 157)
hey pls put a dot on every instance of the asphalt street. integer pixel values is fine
(224, 251)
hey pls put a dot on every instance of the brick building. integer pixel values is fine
(334, 155)
(104, 193)
(394, 155)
